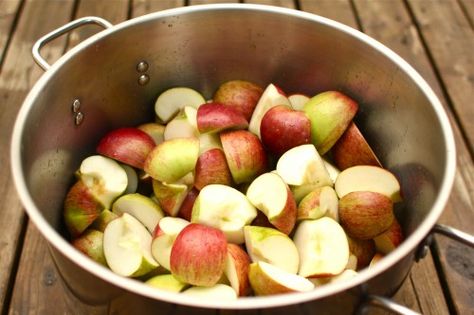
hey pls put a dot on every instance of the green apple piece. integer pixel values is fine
(330, 114)
(271, 195)
(166, 282)
(318, 203)
(368, 178)
(103, 219)
(224, 208)
(170, 196)
(267, 279)
(132, 179)
(272, 246)
(272, 96)
(208, 141)
(183, 125)
(154, 130)
(141, 207)
(127, 247)
(163, 238)
(322, 246)
(91, 244)
(105, 178)
(172, 159)
(217, 292)
(302, 165)
(173, 100)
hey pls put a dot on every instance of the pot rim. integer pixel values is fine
(65, 248)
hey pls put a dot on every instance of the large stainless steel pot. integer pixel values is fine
(112, 79)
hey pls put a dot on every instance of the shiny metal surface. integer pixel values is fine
(201, 47)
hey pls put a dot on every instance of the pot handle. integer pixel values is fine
(455, 234)
(61, 31)
(385, 303)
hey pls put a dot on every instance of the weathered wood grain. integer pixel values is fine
(8, 11)
(337, 10)
(281, 3)
(142, 7)
(468, 7)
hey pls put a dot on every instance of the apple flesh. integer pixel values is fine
(141, 208)
(90, 243)
(198, 255)
(267, 279)
(272, 246)
(330, 114)
(298, 101)
(171, 101)
(377, 257)
(208, 141)
(368, 178)
(365, 214)
(127, 145)
(272, 96)
(216, 117)
(212, 168)
(132, 179)
(389, 239)
(245, 155)
(182, 126)
(127, 246)
(170, 196)
(283, 128)
(318, 203)
(240, 95)
(237, 269)
(186, 209)
(103, 219)
(154, 130)
(322, 246)
(172, 159)
(166, 282)
(332, 169)
(224, 208)
(220, 292)
(271, 195)
(164, 235)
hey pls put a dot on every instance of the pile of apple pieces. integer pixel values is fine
(194, 204)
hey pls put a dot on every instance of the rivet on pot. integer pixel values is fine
(423, 248)
(143, 79)
(142, 66)
(76, 104)
(78, 118)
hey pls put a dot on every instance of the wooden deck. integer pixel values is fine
(435, 36)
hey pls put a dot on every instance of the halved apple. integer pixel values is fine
(271, 195)
(212, 168)
(173, 100)
(318, 203)
(267, 279)
(224, 208)
(322, 246)
(91, 244)
(170, 196)
(368, 178)
(237, 269)
(141, 208)
(272, 246)
(298, 101)
(127, 246)
(166, 282)
(215, 117)
(220, 292)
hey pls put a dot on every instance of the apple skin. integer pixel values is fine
(365, 214)
(170, 196)
(198, 255)
(80, 209)
(318, 203)
(364, 250)
(127, 145)
(186, 209)
(241, 261)
(239, 94)
(91, 244)
(211, 168)
(103, 219)
(215, 117)
(352, 149)
(330, 114)
(389, 239)
(283, 128)
(154, 130)
(245, 155)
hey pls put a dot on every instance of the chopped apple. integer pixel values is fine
(272, 246)
(302, 165)
(245, 155)
(172, 159)
(154, 130)
(344, 276)
(377, 257)
(239, 94)
(91, 244)
(215, 117)
(183, 125)
(237, 269)
(170, 196)
(352, 262)
(272, 96)
(330, 114)
(363, 250)
(352, 149)
(164, 235)
(225, 208)
(171, 101)
(368, 178)
(212, 168)
(103, 219)
(105, 178)
(365, 214)
(267, 279)
(219, 292)
(127, 145)
(141, 208)
(208, 141)
(389, 239)
(127, 246)
(271, 195)
(317, 203)
(298, 101)
(322, 246)
(132, 179)
(81, 209)
(166, 282)
(283, 128)
(186, 209)
(332, 169)
(198, 255)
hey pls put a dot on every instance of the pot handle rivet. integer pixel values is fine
(78, 118)
(143, 79)
(142, 66)
(76, 105)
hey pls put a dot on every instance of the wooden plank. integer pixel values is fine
(142, 7)
(449, 37)
(337, 10)
(9, 10)
(19, 72)
(468, 7)
(280, 3)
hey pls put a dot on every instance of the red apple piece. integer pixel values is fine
(318, 203)
(91, 244)
(364, 250)
(211, 168)
(237, 269)
(170, 196)
(186, 209)
(389, 239)
(215, 117)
